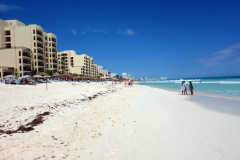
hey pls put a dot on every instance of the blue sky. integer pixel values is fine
(174, 38)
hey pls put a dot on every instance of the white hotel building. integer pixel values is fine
(103, 71)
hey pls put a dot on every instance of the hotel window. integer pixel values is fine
(35, 63)
(35, 57)
(34, 31)
(7, 33)
(50, 55)
(49, 38)
(34, 50)
(19, 60)
(50, 50)
(33, 37)
(20, 68)
(34, 44)
(19, 53)
(20, 74)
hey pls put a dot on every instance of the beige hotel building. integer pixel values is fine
(70, 62)
(25, 48)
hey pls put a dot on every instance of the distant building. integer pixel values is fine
(112, 75)
(125, 75)
(144, 78)
(70, 62)
(103, 71)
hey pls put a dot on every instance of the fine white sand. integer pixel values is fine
(94, 121)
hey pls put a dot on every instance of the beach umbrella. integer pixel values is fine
(9, 76)
(37, 76)
(77, 77)
(56, 74)
(43, 74)
(26, 76)
(46, 76)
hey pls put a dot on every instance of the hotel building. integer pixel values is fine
(25, 48)
(103, 71)
(70, 62)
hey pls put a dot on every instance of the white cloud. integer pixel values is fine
(74, 31)
(98, 30)
(230, 55)
(83, 32)
(127, 31)
(6, 8)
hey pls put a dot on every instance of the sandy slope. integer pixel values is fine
(120, 123)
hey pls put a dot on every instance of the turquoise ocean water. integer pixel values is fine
(227, 87)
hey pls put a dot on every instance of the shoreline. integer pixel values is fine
(219, 104)
(199, 93)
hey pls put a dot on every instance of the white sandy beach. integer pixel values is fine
(94, 121)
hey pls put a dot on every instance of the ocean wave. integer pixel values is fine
(195, 81)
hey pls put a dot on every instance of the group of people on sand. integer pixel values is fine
(184, 87)
(128, 83)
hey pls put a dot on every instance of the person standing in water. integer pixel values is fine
(182, 87)
(185, 85)
(191, 87)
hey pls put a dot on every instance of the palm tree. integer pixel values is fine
(33, 72)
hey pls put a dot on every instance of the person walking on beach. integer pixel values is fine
(182, 87)
(125, 83)
(129, 83)
(191, 87)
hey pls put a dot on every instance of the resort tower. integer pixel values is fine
(25, 48)
(70, 62)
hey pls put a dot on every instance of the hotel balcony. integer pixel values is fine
(40, 52)
(26, 69)
(40, 59)
(26, 62)
(39, 39)
(7, 33)
(40, 47)
(26, 56)
(7, 39)
(40, 64)
(64, 54)
(40, 69)
(39, 32)
(54, 62)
